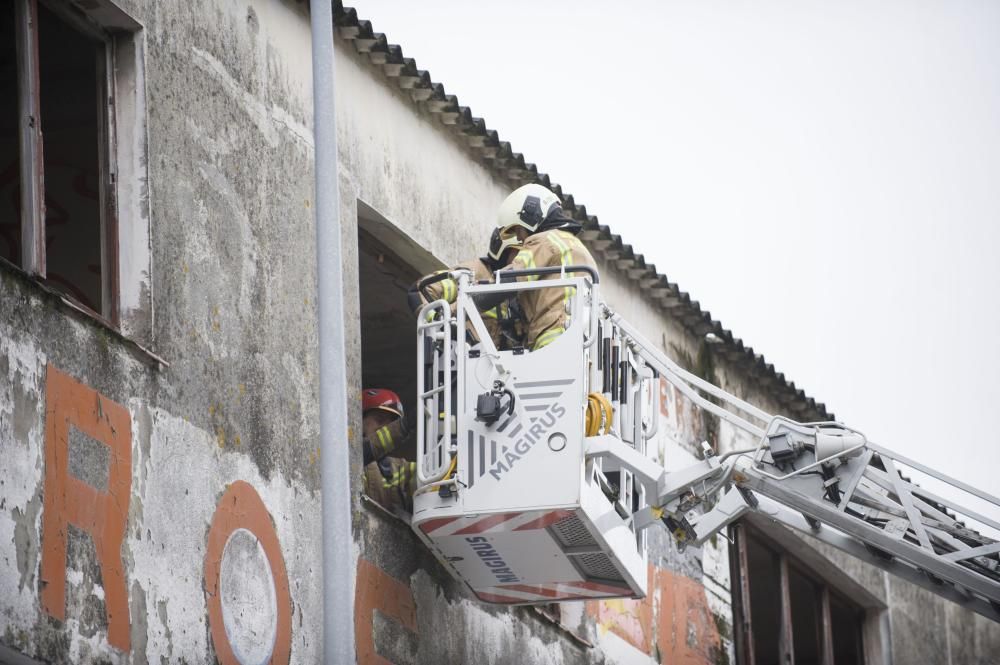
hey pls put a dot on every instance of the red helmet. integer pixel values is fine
(380, 398)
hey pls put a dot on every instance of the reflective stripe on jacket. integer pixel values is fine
(391, 482)
(383, 441)
(546, 311)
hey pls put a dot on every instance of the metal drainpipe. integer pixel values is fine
(338, 600)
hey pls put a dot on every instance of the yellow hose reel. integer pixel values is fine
(599, 413)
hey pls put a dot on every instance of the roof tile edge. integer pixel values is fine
(499, 158)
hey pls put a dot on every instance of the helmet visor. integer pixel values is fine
(508, 233)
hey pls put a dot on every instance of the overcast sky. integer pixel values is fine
(823, 177)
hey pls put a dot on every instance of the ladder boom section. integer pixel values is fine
(828, 480)
(686, 382)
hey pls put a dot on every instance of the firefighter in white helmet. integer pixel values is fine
(502, 325)
(533, 215)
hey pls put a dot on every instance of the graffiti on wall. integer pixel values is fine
(101, 513)
(376, 590)
(241, 522)
(242, 549)
(673, 623)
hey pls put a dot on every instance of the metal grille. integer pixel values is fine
(594, 566)
(571, 532)
(598, 566)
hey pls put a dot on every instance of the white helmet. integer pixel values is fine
(527, 206)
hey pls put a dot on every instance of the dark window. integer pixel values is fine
(10, 185)
(845, 623)
(786, 614)
(71, 97)
(388, 350)
(764, 590)
(806, 605)
(56, 214)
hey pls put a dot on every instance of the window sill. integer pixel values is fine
(84, 314)
(560, 626)
(377, 508)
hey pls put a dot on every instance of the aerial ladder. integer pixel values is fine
(535, 485)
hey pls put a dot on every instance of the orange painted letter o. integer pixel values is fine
(241, 508)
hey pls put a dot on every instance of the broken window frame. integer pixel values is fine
(743, 616)
(31, 151)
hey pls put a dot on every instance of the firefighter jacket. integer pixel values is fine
(546, 311)
(391, 482)
(500, 322)
(384, 441)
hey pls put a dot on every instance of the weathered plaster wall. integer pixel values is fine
(230, 173)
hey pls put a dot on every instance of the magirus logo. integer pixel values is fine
(492, 559)
(540, 404)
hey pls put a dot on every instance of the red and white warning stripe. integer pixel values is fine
(496, 523)
(528, 593)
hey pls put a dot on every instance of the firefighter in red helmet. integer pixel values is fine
(388, 480)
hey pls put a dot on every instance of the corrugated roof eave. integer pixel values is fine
(498, 156)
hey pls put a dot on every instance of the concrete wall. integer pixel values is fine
(186, 496)
(159, 450)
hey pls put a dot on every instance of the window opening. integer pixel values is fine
(771, 590)
(388, 342)
(10, 186)
(765, 604)
(58, 216)
(806, 609)
(845, 623)
(72, 94)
